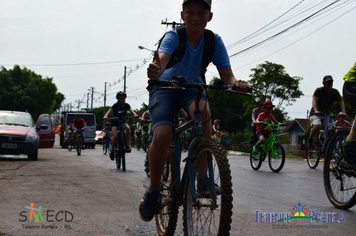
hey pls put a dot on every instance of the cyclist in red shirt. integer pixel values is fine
(262, 130)
(80, 125)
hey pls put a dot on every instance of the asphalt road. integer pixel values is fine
(88, 195)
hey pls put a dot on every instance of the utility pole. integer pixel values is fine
(125, 79)
(92, 97)
(87, 99)
(173, 23)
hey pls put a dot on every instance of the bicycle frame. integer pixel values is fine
(196, 126)
(269, 142)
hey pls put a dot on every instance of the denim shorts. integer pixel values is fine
(163, 104)
(266, 135)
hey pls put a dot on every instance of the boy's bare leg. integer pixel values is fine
(158, 152)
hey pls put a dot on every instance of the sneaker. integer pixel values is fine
(203, 186)
(148, 205)
(350, 152)
(112, 157)
(127, 149)
(254, 151)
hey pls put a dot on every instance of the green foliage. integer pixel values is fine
(283, 138)
(240, 136)
(350, 111)
(270, 82)
(230, 109)
(24, 90)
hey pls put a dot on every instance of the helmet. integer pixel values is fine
(349, 93)
(121, 93)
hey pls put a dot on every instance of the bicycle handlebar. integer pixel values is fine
(180, 83)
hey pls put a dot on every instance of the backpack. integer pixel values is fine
(208, 51)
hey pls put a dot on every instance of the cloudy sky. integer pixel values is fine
(82, 44)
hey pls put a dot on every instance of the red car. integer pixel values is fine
(20, 135)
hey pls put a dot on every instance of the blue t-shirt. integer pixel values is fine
(191, 63)
(116, 109)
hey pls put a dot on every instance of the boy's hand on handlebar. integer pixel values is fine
(154, 68)
(241, 85)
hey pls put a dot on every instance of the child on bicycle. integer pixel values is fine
(163, 103)
(341, 122)
(217, 131)
(107, 131)
(120, 106)
(80, 125)
(349, 93)
(262, 130)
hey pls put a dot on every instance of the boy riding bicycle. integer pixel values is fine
(262, 131)
(162, 103)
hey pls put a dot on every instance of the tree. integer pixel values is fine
(230, 109)
(24, 90)
(271, 82)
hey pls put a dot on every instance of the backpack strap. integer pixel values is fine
(178, 54)
(209, 48)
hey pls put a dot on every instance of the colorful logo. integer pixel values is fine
(37, 215)
(299, 214)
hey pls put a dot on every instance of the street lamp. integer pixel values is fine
(141, 48)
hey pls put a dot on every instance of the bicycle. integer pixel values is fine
(320, 143)
(275, 151)
(106, 143)
(70, 143)
(138, 138)
(339, 176)
(144, 137)
(78, 141)
(119, 153)
(207, 210)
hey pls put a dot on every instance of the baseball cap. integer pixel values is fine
(208, 2)
(268, 104)
(328, 78)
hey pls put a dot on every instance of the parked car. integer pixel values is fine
(20, 135)
(99, 137)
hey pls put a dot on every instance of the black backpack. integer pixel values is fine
(209, 46)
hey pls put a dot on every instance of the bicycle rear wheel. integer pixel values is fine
(339, 177)
(209, 214)
(276, 157)
(313, 154)
(166, 219)
(255, 160)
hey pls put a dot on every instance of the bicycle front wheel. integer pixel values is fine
(79, 146)
(313, 154)
(105, 147)
(255, 160)
(69, 145)
(339, 178)
(276, 157)
(210, 213)
(166, 219)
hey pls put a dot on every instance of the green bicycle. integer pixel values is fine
(275, 151)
